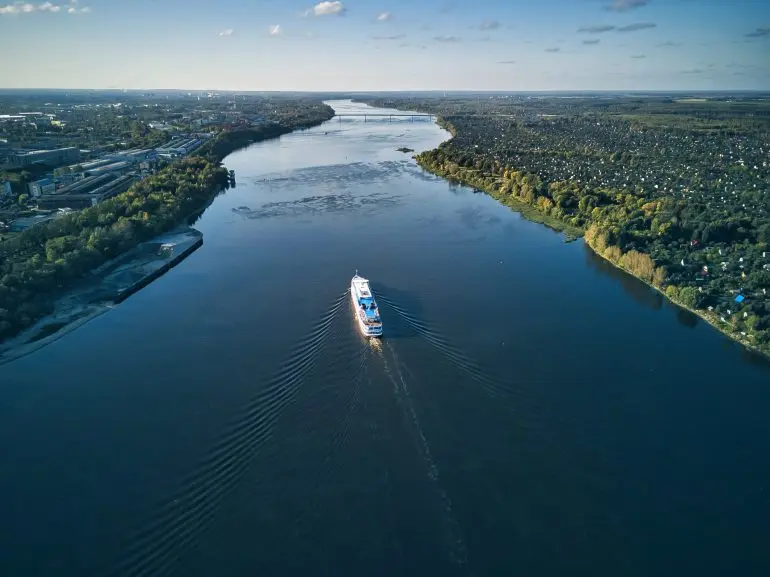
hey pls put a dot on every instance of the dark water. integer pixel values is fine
(531, 410)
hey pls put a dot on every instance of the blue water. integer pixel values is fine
(530, 410)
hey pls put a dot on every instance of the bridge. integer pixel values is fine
(389, 116)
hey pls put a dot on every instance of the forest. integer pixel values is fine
(672, 190)
(39, 264)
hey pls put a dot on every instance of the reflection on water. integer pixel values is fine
(632, 286)
(685, 317)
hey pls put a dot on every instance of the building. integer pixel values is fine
(119, 166)
(41, 187)
(53, 158)
(21, 224)
(5, 189)
(88, 192)
(179, 147)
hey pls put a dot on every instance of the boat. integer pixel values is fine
(367, 313)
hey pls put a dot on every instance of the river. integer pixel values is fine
(530, 411)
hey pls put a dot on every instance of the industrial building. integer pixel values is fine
(52, 158)
(110, 166)
(117, 161)
(87, 192)
(179, 147)
(21, 224)
(41, 187)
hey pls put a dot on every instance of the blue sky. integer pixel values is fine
(386, 44)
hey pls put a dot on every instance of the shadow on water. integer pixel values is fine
(632, 286)
(394, 305)
(685, 317)
(752, 357)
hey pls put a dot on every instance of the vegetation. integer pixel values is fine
(673, 191)
(37, 265)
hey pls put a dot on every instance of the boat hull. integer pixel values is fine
(366, 330)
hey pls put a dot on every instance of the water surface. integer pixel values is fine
(530, 410)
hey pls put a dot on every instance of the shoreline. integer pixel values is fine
(114, 282)
(67, 312)
(532, 214)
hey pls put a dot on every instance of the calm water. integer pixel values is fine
(531, 411)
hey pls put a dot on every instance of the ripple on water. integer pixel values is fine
(182, 517)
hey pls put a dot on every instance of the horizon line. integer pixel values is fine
(395, 91)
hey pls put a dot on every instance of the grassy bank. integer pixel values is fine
(602, 217)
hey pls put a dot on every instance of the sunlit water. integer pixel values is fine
(530, 410)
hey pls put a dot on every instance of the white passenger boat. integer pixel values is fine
(367, 314)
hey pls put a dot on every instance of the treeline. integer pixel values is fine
(231, 140)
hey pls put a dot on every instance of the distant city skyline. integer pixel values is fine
(374, 45)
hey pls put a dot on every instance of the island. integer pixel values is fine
(672, 189)
(87, 247)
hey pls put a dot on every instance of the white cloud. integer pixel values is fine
(446, 39)
(327, 8)
(29, 8)
(275, 29)
(383, 16)
(226, 32)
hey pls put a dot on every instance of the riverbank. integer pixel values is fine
(519, 192)
(710, 318)
(105, 287)
(231, 140)
(41, 264)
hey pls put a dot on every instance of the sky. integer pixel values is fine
(373, 45)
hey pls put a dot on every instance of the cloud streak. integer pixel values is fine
(29, 8)
(383, 17)
(596, 29)
(447, 38)
(636, 26)
(602, 28)
(274, 30)
(625, 5)
(394, 37)
(759, 32)
(225, 32)
(488, 25)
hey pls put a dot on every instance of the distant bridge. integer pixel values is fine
(390, 117)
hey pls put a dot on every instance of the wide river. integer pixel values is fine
(529, 411)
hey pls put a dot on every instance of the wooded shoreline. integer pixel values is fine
(537, 208)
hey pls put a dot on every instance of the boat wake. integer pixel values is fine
(181, 519)
(451, 528)
(506, 395)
